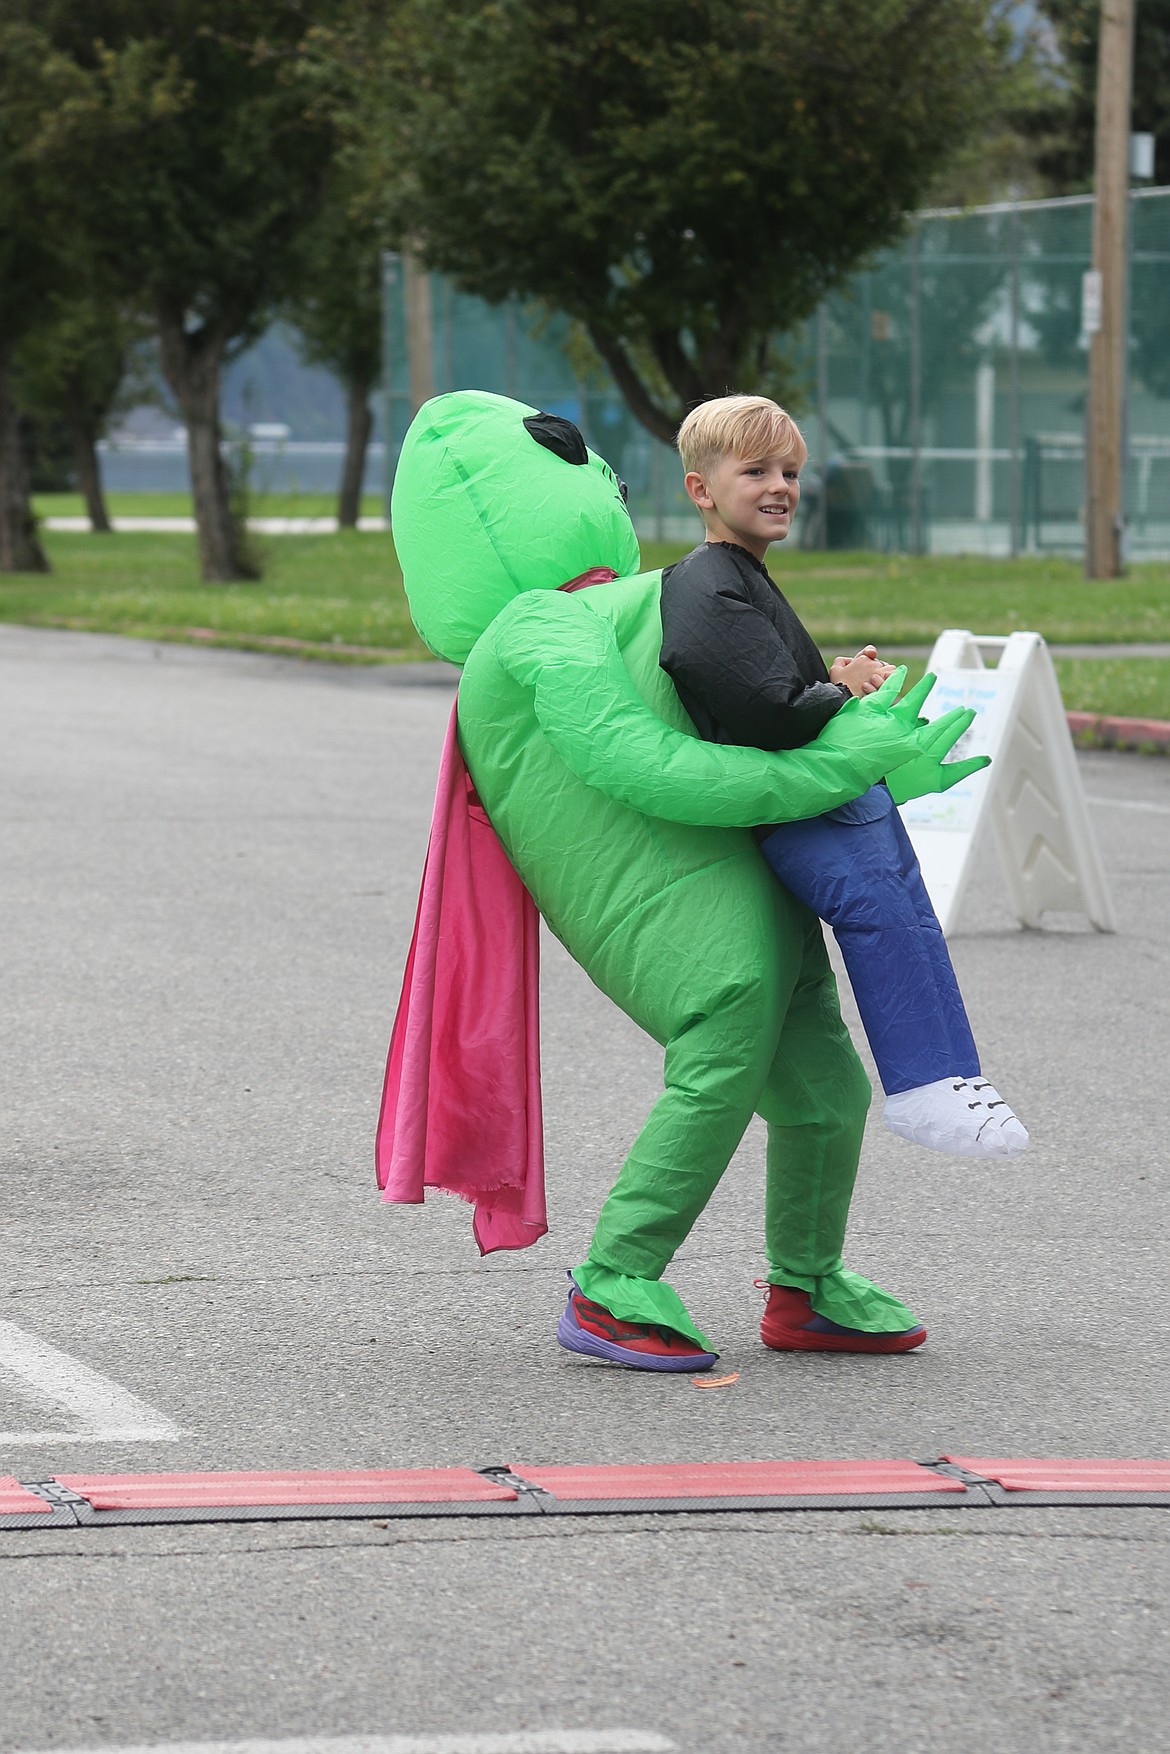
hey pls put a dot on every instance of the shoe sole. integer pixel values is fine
(966, 1147)
(575, 1339)
(794, 1340)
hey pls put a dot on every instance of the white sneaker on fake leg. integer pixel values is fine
(964, 1116)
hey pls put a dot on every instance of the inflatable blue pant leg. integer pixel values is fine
(857, 870)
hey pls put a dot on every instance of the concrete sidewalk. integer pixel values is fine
(208, 876)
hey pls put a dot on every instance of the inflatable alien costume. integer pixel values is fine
(631, 836)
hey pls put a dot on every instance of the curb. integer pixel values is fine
(1094, 731)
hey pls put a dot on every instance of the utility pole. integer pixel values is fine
(1106, 296)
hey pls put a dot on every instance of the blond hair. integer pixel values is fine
(737, 426)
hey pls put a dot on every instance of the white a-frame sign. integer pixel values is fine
(1031, 794)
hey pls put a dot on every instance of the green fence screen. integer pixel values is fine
(942, 391)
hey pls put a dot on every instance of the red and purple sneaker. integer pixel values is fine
(589, 1328)
(790, 1324)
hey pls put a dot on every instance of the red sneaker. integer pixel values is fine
(589, 1328)
(791, 1325)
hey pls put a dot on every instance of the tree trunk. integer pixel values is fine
(85, 462)
(638, 399)
(192, 362)
(20, 551)
(359, 424)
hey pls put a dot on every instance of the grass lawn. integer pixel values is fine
(907, 599)
(345, 590)
(323, 590)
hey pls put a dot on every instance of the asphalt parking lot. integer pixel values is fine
(208, 874)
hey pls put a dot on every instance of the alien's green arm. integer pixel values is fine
(597, 723)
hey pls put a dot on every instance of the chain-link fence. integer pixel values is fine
(942, 391)
(517, 350)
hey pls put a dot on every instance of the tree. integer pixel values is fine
(30, 270)
(71, 367)
(1064, 127)
(998, 160)
(685, 185)
(338, 315)
(1064, 130)
(191, 148)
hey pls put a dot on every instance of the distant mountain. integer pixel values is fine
(266, 386)
(269, 384)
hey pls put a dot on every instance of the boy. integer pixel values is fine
(748, 672)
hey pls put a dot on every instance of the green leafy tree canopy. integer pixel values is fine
(190, 142)
(684, 183)
(1064, 127)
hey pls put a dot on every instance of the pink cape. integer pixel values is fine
(461, 1103)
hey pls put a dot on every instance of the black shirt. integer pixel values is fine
(744, 664)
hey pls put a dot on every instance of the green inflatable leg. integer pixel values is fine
(686, 1144)
(677, 1159)
(814, 1097)
(717, 1060)
(815, 1104)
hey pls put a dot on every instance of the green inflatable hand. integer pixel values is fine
(927, 772)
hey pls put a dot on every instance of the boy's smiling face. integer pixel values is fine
(747, 500)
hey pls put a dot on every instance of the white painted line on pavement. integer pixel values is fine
(10, 1439)
(1130, 804)
(491, 1742)
(67, 1387)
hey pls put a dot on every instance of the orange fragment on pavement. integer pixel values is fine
(715, 1382)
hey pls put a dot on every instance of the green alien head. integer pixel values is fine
(492, 498)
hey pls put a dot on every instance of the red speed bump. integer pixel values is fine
(1055, 1474)
(775, 1483)
(17, 1500)
(373, 1486)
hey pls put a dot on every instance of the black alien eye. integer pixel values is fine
(559, 436)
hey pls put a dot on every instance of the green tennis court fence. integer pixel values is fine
(942, 391)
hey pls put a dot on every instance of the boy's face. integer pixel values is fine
(747, 500)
